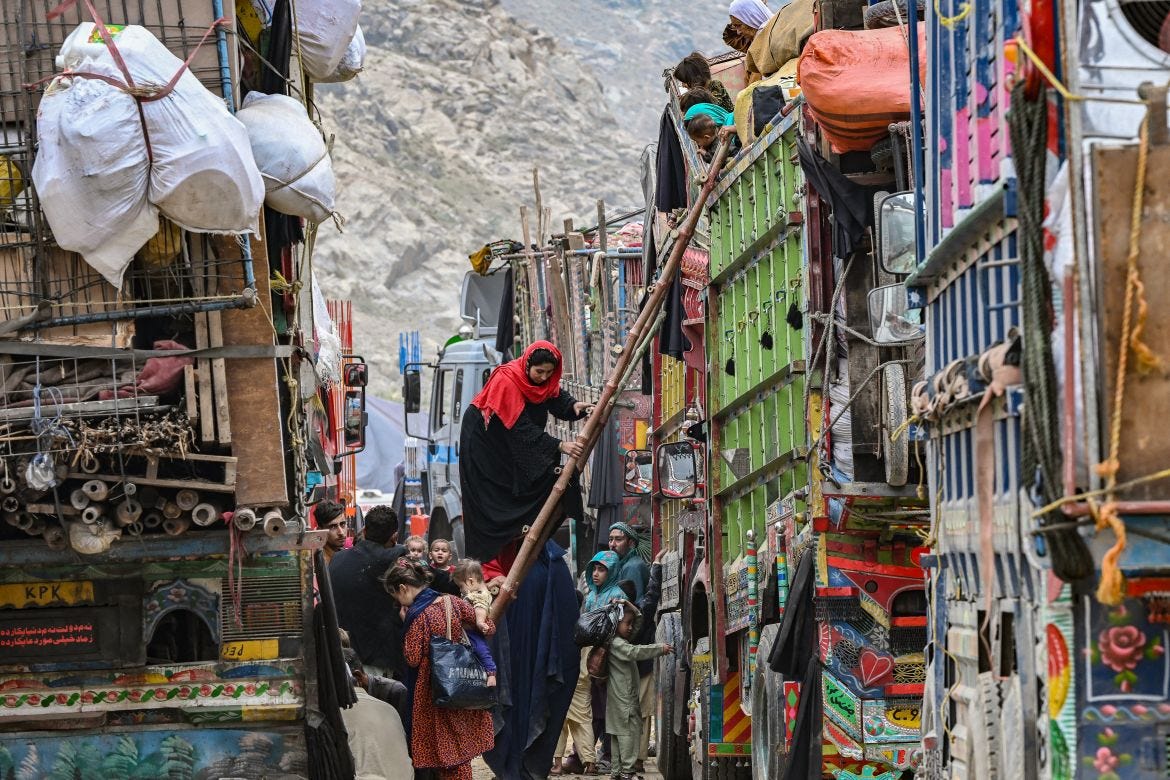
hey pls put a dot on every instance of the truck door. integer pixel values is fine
(440, 451)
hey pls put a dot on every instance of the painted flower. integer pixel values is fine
(1105, 760)
(1121, 647)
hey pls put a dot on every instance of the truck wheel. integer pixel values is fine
(896, 453)
(673, 761)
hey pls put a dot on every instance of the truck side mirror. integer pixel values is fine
(412, 390)
(639, 473)
(896, 229)
(355, 419)
(676, 469)
(891, 320)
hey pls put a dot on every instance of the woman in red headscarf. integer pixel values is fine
(506, 460)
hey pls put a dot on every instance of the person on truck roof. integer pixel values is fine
(507, 468)
(694, 73)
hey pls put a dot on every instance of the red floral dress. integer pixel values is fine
(443, 738)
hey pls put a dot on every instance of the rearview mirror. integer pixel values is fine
(897, 231)
(639, 473)
(355, 419)
(412, 390)
(891, 320)
(676, 469)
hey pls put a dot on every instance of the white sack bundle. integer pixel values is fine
(292, 156)
(203, 177)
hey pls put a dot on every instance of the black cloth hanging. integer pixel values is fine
(280, 230)
(606, 493)
(670, 193)
(804, 760)
(797, 639)
(852, 204)
(506, 324)
(671, 338)
(325, 734)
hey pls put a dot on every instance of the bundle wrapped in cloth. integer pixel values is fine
(119, 144)
(856, 83)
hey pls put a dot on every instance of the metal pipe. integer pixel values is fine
(92, 513)
(175, 526)
(78, 499)
(204, 514)
(916, 134)
(229, 98)
(187, 499)
(96, 490)
(11, 518)
(152, 519)
(7, 485)
(245, 519)
(134, 529)
(171, 510)
(10, 504)
(35, 525)
(541, 526)
(273, 522)
(244, 301)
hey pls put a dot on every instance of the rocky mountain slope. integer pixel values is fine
(436, 141)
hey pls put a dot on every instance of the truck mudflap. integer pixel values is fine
(730, 725)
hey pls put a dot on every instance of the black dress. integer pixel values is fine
(505, 475)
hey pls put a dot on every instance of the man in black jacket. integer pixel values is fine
(364, 608)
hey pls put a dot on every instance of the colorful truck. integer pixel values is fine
(160, 612)
(794, 401)
(1039, 234)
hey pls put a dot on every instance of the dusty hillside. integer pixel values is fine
(434, 152)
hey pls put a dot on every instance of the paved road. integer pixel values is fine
(481, 772)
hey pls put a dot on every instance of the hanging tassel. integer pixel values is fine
(1111, 588)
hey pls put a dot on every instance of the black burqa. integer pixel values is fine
(796, 655)
(671, 190)
(506, 474)
(537, 664)
(852, 204)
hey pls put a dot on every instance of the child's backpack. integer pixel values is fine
(597, 664)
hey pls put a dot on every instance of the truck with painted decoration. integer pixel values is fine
(1037, 274)
(793, 415)
(161, 606)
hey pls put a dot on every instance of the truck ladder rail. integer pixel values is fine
(597, 419)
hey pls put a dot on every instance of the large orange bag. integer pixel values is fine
(857, 82)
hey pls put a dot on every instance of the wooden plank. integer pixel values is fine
(258, 429)
(189, 392)
(223, 424)
(1147, 396)
(560, 296)
(203, 378)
